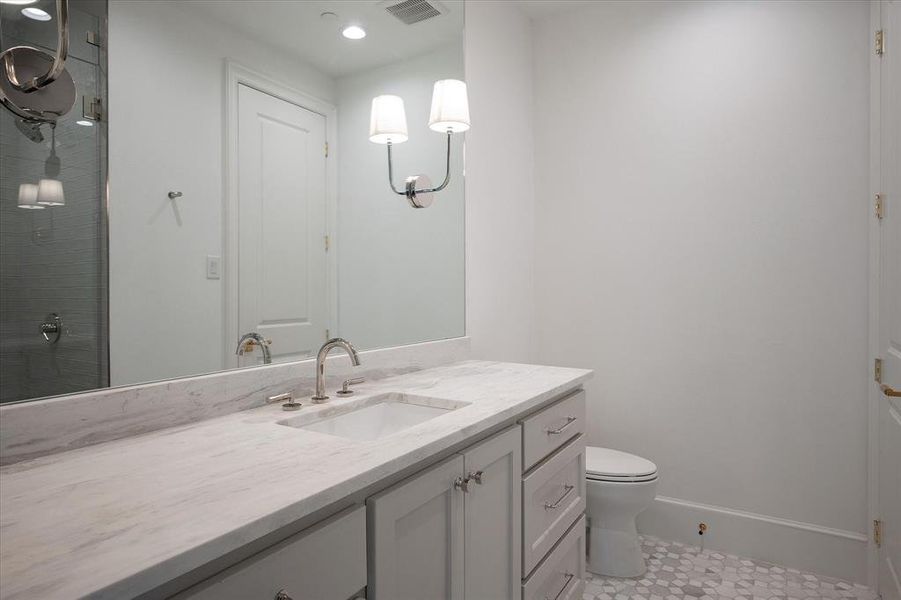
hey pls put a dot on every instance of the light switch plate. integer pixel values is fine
(212, 267)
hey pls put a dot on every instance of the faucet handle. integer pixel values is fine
(290, 404)
(345, 387)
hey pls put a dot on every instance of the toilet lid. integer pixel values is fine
(606, 463)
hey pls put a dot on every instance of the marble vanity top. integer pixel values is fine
(121, 518)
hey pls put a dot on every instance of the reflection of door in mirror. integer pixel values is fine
(282, 285)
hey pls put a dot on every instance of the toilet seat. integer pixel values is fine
(613, 466)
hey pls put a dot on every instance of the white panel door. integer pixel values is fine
(282, 291)
(493, 513)
(416, 537)
(889, 433)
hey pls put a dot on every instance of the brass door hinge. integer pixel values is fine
(880, 207)
(877, 370)
(327, 243)
(326, 149)
(877, 532)
(880, 42)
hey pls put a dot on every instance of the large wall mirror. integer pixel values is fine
(210, 175)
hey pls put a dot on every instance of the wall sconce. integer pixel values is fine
(388, 125)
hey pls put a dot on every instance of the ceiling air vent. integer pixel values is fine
(414, 11)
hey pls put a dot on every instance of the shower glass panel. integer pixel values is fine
(53, 260)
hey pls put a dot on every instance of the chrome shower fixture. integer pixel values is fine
(35, 85)
(388, 125)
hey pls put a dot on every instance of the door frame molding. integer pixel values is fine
(874, 394)
(238, 74)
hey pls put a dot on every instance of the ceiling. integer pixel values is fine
(298, 28)
(538, 9)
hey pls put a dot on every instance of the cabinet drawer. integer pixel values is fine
(328, 560)
(562, 575)
(547, 430)
(553, 496)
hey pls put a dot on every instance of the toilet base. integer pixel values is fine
(615, 553)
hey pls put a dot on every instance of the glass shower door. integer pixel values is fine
(53, 256)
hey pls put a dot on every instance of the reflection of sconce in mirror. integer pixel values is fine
(28, 196)
(388, 125)
(50, 192)
(47, 192)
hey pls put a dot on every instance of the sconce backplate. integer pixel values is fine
(418, 197)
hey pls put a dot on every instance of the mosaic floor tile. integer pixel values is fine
(682, 572)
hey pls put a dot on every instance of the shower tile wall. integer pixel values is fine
(54, 260)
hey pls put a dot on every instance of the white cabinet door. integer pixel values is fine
(326, 561)
(281, 226)
(416, 537)
(492, 509)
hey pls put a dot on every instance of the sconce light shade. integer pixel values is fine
(50, 192)
(450, 107)
(388, 121)
(28, 196)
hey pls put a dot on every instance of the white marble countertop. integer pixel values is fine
(121, 518)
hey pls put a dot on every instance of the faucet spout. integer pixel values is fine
(327, 347)
(258, 339)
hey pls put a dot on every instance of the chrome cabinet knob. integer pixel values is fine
(282, 595)
(475, 476)
(461, 484)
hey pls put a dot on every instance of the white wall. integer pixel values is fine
(702, 210)
(500, 197)
(166, 89)
(401, 270)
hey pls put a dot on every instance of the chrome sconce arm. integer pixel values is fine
(34, 84)
(59, 58)
(420, 197)
(388, 125)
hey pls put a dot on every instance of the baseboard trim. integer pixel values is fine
(851, 535)
(806, 546)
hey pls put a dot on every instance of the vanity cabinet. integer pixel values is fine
(452, 531)
(500, 519)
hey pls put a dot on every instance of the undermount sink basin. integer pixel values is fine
(374, 417)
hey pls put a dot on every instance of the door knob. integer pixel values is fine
(888, 391)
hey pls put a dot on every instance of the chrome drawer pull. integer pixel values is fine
(569, 577)
(559, 430)
(568, 489)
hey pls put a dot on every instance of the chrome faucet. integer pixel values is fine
(320, 364)
(255, 338)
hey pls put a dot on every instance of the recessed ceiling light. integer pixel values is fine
(84, 123)
(354, 32)
(18, 2)
(36, 13)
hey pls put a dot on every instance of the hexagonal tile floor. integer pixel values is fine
(678, 571)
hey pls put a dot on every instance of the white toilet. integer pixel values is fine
(620, 486)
